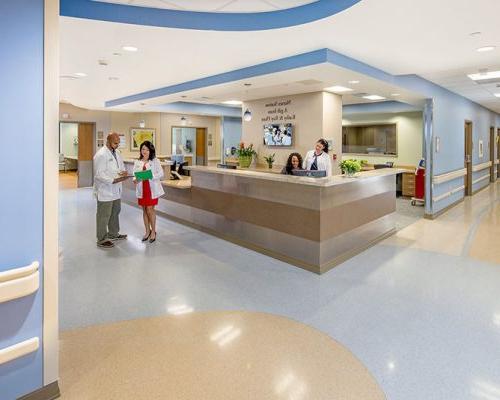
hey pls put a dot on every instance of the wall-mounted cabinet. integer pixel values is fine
(370, 139)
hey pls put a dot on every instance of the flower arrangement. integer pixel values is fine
(350, 167)
(245, 154)
(270, 160)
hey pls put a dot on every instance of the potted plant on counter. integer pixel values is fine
(270, 160)
(350, 167)
(245, 155)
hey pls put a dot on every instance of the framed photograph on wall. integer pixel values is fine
(123, 141)
(139, 135)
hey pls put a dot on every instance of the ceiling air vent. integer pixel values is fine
(308, 82)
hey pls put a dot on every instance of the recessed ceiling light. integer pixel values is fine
(129, 48)
(80, 74)
(484, 75)
(474, 34)
(183, 96)
(485, 49)
(233, 102)
(338, 89)
(373, 97)
(353, 82)
(497, 94)
(395, 94)
(117, 54)
(142, 104)
(247, 84)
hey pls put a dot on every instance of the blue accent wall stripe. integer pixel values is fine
(203, 20)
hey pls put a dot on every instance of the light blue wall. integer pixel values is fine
(449, 116)
(232, 128)
(21, 202)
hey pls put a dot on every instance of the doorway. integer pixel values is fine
(191, 143)
(498, 151)
(201, 143)
(468, 158)
(76, 150)
(492, 154)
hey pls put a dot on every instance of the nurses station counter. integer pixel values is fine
(313, 223)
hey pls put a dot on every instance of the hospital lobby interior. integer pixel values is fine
(369, 270)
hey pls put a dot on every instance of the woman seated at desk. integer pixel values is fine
(318, 159)
(294, 162)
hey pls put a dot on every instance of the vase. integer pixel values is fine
(350, 174)
(270, 166)
(245, 161)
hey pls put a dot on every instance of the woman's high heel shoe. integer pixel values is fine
(152, 240)
(146, 237)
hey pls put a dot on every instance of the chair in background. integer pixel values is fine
(62, 162)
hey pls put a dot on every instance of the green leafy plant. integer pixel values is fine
(350, 167)
(270, 160)
(243, 151)
(245, 155)
(364, 162)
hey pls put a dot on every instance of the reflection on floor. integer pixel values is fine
(68, 180)
(210, 356)
(406, 214)
(420, 310)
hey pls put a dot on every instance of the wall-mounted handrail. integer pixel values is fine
(449, 176)
(19, 350)
(448, 194)
(480, 179)
(19, 282)
(480, 167)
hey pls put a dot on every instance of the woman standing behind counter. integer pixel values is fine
(318, 159)
(149, 190)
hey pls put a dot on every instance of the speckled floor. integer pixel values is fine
(420, 311)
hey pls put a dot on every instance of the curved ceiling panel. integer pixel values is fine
(217, 21)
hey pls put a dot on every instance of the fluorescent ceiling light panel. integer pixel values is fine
(338, 89)
(485, 48)
(353, 82)
(395, 94)
(484, 75)
(373, 97)
(233, 102)
(497, 94)
(80, 74)
(130, 48)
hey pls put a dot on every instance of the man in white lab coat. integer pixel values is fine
(109, 173)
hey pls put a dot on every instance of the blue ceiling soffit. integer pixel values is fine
(213, 21)
(283, 64)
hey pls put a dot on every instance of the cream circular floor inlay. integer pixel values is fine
(210, 355)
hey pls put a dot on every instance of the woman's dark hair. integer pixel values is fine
(324, 143)
(289, 166)
(151, 147)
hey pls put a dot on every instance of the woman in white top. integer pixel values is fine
(318, 159)
(148, 191)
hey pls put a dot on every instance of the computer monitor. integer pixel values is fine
(178, 158)
(309, 173)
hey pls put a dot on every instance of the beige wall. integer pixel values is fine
(409, 136)
(313, 115)
(121, 122)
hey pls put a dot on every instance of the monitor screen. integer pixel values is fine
(278, 134)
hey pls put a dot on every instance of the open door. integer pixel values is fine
(468, 158)
(85, 153)
(492, 154)
(201, 143)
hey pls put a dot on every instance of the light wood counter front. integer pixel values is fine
(309, 222)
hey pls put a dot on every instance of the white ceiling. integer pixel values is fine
(216, 5)
(426, 37)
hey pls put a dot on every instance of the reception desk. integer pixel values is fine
(313, 223)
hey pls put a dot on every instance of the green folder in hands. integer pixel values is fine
(143, 175)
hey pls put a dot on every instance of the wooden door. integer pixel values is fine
(201, 142)
(498, 151)
(468, 158)
(492, 154)
(85, 153)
